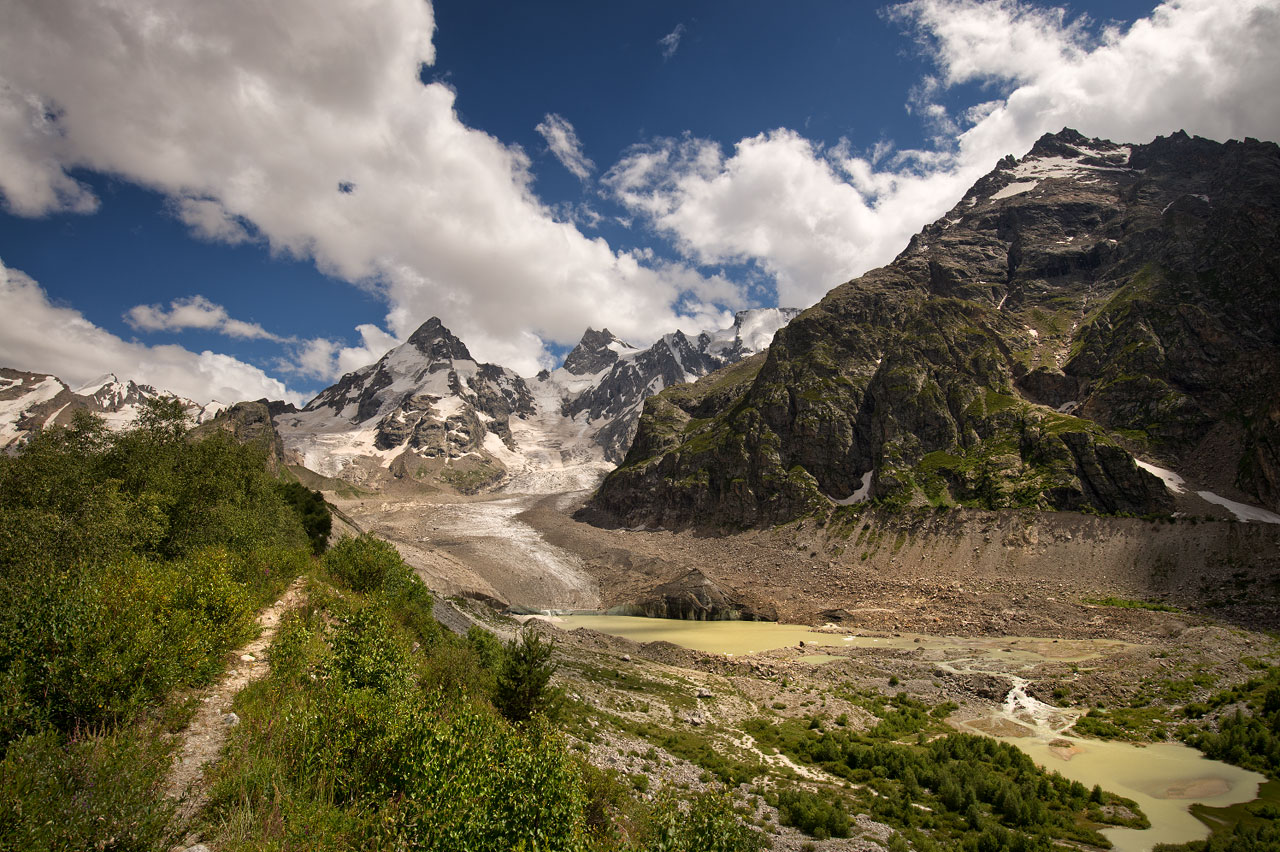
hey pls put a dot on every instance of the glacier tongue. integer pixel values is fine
(556, 453)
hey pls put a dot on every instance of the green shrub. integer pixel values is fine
(812, 814)
(92, 647)
(367, 653)
(94, 792)
(708, 824)
(293, 649)
(363, 563)
(367, 564)
(487, 648)
(312, 511)
(400, 767)
(410, 601)
(452, 668)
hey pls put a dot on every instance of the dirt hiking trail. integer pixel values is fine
(202, 741)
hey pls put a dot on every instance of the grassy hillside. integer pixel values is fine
(131, 564)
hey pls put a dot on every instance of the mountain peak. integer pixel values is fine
(595, 351)
(437, 343)
(1072, 145)
(97, 384)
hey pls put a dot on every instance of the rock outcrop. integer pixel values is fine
(1080, 305)
(248, 423)
(693, 597)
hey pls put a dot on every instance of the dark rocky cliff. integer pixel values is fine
(1080, 305)
(248, 423)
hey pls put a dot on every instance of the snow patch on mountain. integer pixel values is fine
(1061, 159)
(32, 401)
(1175, 484)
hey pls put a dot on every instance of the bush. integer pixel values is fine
(485, 645)
(94, 792)
(363, 563)
(312, 511)
(709, 824)
(812, 814)
(375, 762)
(367, 654)
(410, 601)
(368, 565)
(87, 648)
(130, 563)
(453, 669)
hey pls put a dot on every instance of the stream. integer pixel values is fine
(1165, 779)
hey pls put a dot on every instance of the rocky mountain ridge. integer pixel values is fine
(31, 401)
(1086, 303)
(605, 381)
(428, 411)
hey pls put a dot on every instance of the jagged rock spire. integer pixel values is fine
(437, 343)
(593, 353)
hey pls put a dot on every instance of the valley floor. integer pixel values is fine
(1023, 624)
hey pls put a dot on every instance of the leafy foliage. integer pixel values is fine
(92, 792)
(524, 682)
(814, 815)
(363, 563)
(366, 564)
(130, 563)
(87, 648)
(972, 789)
(708, 825)
(353, 731)
(313, 512)
(1249, 739)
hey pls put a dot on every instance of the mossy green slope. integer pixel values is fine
(1014, 355)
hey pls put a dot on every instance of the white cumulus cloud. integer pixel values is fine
(814, 217)
(306, 125)
(42, 337)
(194, 312)
(563, 141)
(327, 360)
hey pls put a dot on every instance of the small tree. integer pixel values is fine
(163, 419)
(524, 681)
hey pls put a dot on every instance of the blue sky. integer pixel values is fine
(243, 199)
